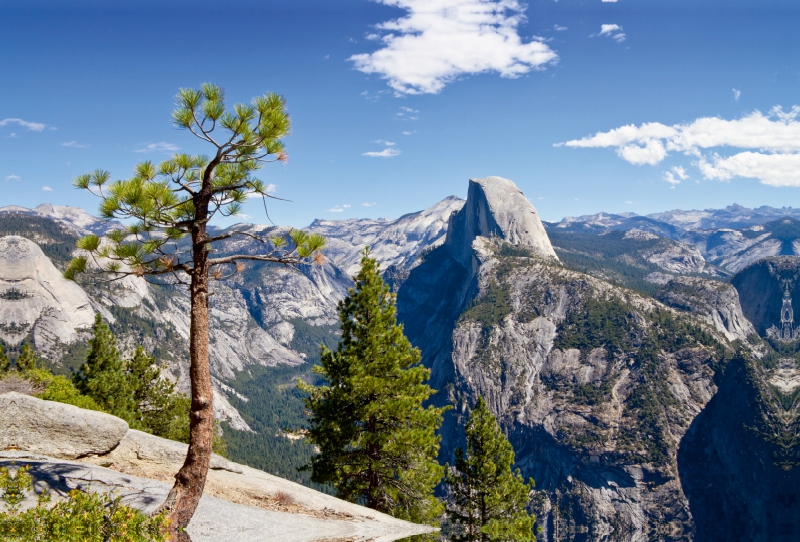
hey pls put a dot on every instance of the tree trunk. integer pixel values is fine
(190, 480)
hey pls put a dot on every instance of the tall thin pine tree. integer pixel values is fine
(378, 444)
(488, 498)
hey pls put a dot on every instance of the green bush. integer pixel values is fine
(80, 517)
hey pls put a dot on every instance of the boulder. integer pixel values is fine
(55, 429)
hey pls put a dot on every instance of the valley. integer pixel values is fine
(633, 361)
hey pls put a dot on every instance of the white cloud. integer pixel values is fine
(13, 178)
(609, 1)
(440, 40)
(409, 110)
(607, 29)
(619, 38)
(336, 209)
(346, 206)
(47, 189)
(771, 142)
(372, 37)
(388, 152)
(559, 28)
(75, 145)
(409, 133)
(629, 202)
(736, 94)
(371, 204)
(35, 126)
(161, 146)
(384, 142)
(770, 169)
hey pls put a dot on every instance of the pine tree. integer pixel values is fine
(103, 376)
(488, 498)
(27, 359)
(159, 408)
(377, 443)
(5, 363)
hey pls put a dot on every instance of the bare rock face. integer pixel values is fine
(715, 302)
(55, 429)
(495, 207)
(35, 298)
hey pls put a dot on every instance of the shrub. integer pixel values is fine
(80, 517)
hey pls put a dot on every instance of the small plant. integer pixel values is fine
(80, 517)
(283, 498)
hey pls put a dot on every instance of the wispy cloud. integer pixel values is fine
(47, 189)
(736, 94)
(370, 204)
(629, 202)
(75, 145)
(613, 31)
(384, 142)
(772, 142)
(346, 206)
(336, 209)
(13, 178)
(161, 146)
(388, 152)
(408, 133)
(439, 41)
(612, 1)
(559, 28)
(675, 175)
(35, 126)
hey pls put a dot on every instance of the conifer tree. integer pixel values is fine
(5, 363)
(168, 209)
(488, 498)
(26, 360)
(378, 444)
(159, 408)
(103, 377)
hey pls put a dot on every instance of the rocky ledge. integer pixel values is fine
(68, 447)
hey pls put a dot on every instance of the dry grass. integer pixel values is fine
(282, 498)
(19, 385)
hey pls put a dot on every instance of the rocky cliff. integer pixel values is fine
(595, 385)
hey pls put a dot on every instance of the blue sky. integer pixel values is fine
(587, 105)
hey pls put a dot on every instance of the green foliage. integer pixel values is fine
(159, 409)
(133, 389)
(26, 360)
(601, 324)
(80, 517)
(5, 363)
(608, 256)
(489, 499)
(60, 389)
(162, 202)
(490, 307)
(103, 377)
(275, 411)
(378, 444)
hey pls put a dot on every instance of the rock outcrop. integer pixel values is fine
(240, 503)
(56, 430)
(761, 286)
(35, 300)
(715, 302)
(495, 207)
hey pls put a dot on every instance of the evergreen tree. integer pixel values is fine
(5, 363)
(377, 443)
(26, 360)
(488, 498)
(103, 376)
(159, 408)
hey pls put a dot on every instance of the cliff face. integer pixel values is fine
(761, 286)
(496, 207)
(595, 384)
(739, 460)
